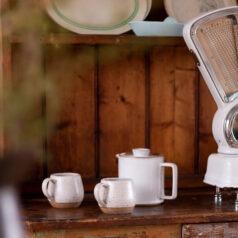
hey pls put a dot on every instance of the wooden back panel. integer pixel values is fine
(115, 93)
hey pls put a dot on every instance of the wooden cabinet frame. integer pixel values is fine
(156, 84)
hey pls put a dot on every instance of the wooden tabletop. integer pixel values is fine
(194, 207)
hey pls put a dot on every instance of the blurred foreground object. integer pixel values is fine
(13, 169)
(10, 220)
(22, 113)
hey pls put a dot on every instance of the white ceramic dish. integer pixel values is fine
(185, 10)
(149, 5)
(97, 16)
(168, 27)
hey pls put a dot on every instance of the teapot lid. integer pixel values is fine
(138, 153)
(141, 152)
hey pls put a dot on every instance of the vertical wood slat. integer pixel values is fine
(121, 103)
(22, 110)
(185, 77)
(147, 62)
(207, 144)
(26, 129)
(184, 122)
(172, 106)
(96, 114)
(162, 102)
(1, 82)
(71, 144)
(6, 60)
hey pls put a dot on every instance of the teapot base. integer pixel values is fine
(150, 204)
(117, 210)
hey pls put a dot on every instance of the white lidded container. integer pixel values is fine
(147, 173)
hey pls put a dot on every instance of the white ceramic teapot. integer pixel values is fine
(147, 173)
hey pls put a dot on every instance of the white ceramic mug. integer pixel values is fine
(115, 195)
(147, 173)
(64, 190)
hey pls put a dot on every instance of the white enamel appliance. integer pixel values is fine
(213, 38)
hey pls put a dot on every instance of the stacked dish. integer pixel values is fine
(185, 10)
(97, 16)
(168, 27)
(179, 12)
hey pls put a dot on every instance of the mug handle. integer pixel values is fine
(45, 186)
(98, 194)
(174, 181)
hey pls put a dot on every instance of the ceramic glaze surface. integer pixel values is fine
(222, 171)
(147, 173)
(115, 193)
(147, 177)
(105, 17)
(64, 188)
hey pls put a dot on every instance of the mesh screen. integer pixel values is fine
(218, 40)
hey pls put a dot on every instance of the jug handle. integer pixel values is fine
(98, 194)
(45, 187)
(174, 181)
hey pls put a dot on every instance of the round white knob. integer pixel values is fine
(141, 152)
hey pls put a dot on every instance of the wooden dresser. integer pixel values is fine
(191, 215)
(114, 93)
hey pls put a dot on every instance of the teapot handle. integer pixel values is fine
(174, 181)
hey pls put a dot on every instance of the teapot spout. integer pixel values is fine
(118, 156)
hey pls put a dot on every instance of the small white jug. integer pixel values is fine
(115, 195)
(63, 190)
(147, 173)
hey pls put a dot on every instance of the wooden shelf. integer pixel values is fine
(100, 39)
(187, 208)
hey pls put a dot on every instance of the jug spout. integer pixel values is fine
(118, 156)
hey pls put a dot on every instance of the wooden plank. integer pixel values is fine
(163, 231)
(184, 119)
(173, 106)
(121, 103)
(216, 230)
(185, 59)
(162, 101)
(71, 144)
(22, 106)
(6, 60)
(70, 38)
(190, 207)
(23, 111)
(184, 115)
(207, 109)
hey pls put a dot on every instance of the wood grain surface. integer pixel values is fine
(195, 212)
(216, 230)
